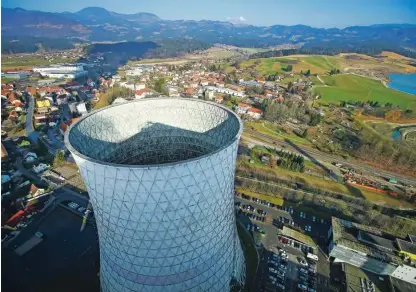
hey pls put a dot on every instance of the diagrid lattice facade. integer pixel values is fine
(160, 175)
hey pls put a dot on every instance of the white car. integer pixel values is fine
(273, 270)
(302, 287)
(278, 285)
(272, 278)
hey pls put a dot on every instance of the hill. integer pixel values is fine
(348, 87)
(99, 24)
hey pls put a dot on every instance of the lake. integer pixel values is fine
(403, 82)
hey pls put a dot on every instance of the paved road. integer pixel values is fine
(318, 155)
(29, 129)
(29, 116)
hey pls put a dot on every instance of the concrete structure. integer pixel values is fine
(403, 279)
(362, 246)
(160, 175)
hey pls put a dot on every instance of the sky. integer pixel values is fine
(317, 13)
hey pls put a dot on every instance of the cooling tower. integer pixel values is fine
(160, 176)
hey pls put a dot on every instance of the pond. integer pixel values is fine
(403, 82)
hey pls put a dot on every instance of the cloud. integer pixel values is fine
(238, 19)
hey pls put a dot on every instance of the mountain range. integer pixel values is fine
(95, 24)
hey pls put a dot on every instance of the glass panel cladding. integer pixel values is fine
(160, 175)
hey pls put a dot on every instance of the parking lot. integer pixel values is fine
(66, 260)
(283, 267)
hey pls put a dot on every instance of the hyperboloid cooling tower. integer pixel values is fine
(160, 175)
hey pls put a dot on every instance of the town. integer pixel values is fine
(311, 217)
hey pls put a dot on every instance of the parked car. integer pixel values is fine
(302, 262)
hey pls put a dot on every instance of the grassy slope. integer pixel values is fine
(275, 133)
(353, 88)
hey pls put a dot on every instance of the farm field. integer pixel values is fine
(347, 87)
(28, 62)
(375, 66)
(316, 64)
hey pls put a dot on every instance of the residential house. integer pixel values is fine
(255, 113)
(189, 91)
(209, 94)
(128, 85)
(43, 103)
(173, 91)
(242, 108)
(40, 119)
(142, 93)
(235, 87)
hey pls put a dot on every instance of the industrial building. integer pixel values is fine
(68, 71)
(160, 175)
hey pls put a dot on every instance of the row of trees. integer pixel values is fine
(288, 68)
(334, 72)
(111, 94)
(159, 85)
(291, 161)
(388, 110)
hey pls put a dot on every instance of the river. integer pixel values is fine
(403, 82)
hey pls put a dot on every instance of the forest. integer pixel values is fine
(150, 49)
(29, 44)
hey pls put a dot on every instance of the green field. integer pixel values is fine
(345, 87)
(27, 62)
(316, 64)
(275, 132)
(7, 80)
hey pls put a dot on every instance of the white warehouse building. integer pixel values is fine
(61, 71)
(160, 176)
